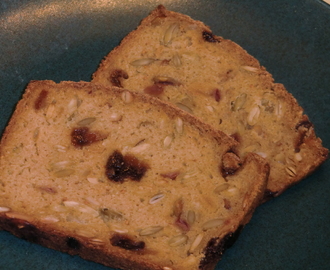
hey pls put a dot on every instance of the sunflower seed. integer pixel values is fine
(4, 209)
(170, 33)
(184, 107)
(64, 173)
(50, 112)
(142, 62)
(71, 203)
(92, 201)
(196, 242)
(50, 219)
(167, 141)
(178, 240)
(179, 125)
(127, 97)
(85, 233)
(191, 217)
(239, 102)
(298, 156)
(151, 230)
(86, 121)
(114, 117)
(249, 68)
(212, 224)
(156, 198)
(16, 215)
(88, 210)
(96, 241)
(72, 106)
(108, 214)
(176, 60)
(221, 188)
(139, 148)
(253, 116)
(60, 148)
(291, 171)
(92, 180)
(210, 108)
(262, 154)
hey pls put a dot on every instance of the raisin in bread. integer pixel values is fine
(123, 179)
(178, 59)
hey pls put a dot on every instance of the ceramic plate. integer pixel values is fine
(66, 40)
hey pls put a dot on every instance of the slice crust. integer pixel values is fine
(179, 60)
(123, 179)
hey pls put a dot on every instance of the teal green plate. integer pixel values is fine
(66, 40)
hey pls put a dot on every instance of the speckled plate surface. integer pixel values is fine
(66, 40)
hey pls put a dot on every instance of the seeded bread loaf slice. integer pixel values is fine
(178, 59)
(123, 179)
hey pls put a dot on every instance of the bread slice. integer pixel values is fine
(123, 179)
(178, 59)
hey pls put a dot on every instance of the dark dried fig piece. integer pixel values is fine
(116, 76)
(230, 164)
(209, 37)
(120, 167)
(82, 136)
(41, 100)
(125, 242)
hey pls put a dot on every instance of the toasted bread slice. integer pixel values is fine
(179, 60)
(123, 179)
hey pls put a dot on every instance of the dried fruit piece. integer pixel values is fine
(302, 128)
(73, 243)
(83, 137)
(230, 164)
(172, 175)
(216, 94)
(154, 90)
(165, 80)
(41, 100)
(125, 242)
(209, 37)
(116, 76)
(120, 167)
